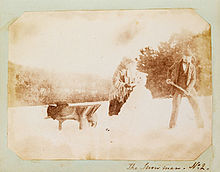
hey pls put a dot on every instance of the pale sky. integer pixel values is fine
(93, 41)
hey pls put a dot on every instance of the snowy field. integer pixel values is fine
(139, 132)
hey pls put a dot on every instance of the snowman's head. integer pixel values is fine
(142, 78)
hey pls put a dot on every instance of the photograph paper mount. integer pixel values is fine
(19, 128)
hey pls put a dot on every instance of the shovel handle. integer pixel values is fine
(180, 88)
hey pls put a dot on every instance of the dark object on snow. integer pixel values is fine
(80, 113)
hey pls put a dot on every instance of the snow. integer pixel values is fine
(139, 132)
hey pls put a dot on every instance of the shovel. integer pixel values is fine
(180, 88)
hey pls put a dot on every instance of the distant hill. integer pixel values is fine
(33, 86)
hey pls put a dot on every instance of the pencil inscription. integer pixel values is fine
(198, 166)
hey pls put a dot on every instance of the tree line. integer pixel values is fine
(30, 86)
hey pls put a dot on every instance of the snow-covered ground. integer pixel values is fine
(139, 132)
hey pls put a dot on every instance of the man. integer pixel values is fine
(183, 74)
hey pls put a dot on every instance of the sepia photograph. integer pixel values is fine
(110, 85)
